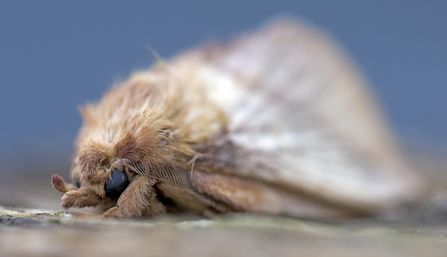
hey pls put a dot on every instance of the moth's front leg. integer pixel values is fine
(135, 200)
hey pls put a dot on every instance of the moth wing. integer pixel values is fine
(301, 117)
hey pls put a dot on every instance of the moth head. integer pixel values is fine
(121, 138)
(111, 182)
(104, 189)
(103, 169)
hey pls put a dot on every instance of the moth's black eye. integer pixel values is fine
(116, 184)
(77, 183)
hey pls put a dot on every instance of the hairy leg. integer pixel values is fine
(73, 196)
(135, 200)
(189, 199)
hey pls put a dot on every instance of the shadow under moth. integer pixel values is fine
(276, 121)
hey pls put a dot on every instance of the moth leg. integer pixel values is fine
(155, 207)
(86, 215)
(82, 197)
(135, 200)
(190, 200)
(257, 197)
(60, 185)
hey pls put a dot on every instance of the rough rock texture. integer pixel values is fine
(56, 233)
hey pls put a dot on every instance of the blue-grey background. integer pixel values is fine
(57, 55)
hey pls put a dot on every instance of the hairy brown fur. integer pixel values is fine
(274, 122)
(145, 127)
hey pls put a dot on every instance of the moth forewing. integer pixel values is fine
(302, 117)
(277, 121)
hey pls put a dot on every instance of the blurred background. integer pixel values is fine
(58, 55)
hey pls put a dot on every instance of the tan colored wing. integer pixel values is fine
(300, 116)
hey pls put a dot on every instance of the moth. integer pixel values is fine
(276, 121)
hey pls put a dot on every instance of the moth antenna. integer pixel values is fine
(136, 167)
(59, 184)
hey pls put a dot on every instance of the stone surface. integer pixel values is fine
(58, 233)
